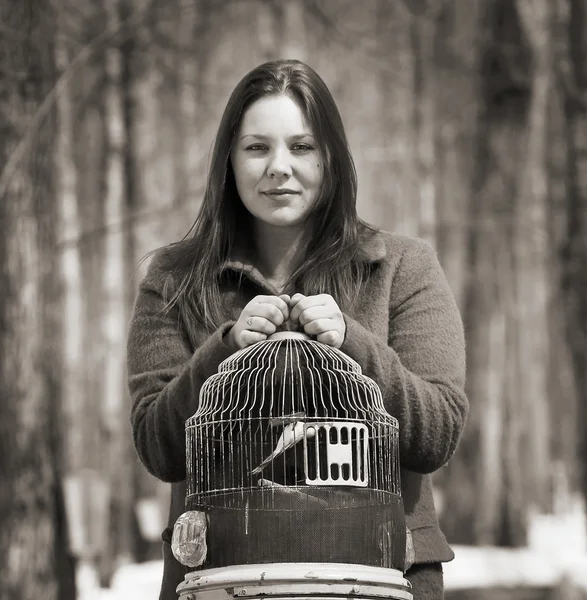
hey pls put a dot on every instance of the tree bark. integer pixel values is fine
(186, 132)
(116, 436)
(532, 256)
(149, 221)
(561, 380)
(424, 31)
(73, 306)
(458, 107)
(397, 99)
(492, 463)
(87, 484)
(34, 562)
(575, 253)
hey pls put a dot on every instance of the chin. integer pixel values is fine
(284, 221)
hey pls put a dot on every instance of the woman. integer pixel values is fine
(278, 244)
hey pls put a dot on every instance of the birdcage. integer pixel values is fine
(292, 469)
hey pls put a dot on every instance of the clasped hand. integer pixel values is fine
(319, 316)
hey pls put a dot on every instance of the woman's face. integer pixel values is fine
(276, 162)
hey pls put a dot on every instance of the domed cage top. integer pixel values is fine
(293, 457)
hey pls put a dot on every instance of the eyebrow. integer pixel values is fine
(260, 136)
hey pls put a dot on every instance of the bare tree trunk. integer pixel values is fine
(34, 562)
(147, 218)
(194, 133)
(492, 455)
(533, 256)
(397, 113)
(116, 433)
(73, 307)
(457, 87)
(186, 134)
(575, 278)
(561, 380)
(479, 463)
(151, 179)
(88, 491)
(458, 109)
(292, 43)
(423, 36)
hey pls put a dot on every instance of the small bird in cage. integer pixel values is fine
(292, 433)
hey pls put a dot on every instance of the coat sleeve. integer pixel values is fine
(421, 368)
(164, 379)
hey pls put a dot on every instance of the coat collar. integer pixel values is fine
(372, 247)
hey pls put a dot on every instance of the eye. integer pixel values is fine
(255, 147)
(302, 148)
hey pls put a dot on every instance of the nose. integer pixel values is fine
(279, 165)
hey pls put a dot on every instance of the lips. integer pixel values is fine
(280, 192)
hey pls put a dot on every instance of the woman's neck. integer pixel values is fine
(280, 251)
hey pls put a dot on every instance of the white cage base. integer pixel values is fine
(284, 581)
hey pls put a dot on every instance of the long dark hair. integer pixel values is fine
(330, 264)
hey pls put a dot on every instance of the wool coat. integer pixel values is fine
(405, 331)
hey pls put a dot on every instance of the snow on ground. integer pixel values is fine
(557, 549)
(131, 582)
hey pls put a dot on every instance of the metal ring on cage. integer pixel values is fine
(288, 335)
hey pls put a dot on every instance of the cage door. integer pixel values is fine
(336, 453)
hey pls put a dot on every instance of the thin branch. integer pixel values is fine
(12, 164)
(122, 226)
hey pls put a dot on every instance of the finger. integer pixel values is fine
(260, 324)
(276, 301)
(296, 298)
(249, 338)
(319, 326)
(292, 304)
(303, 304)
(270, 312)
(287, 299)
(331, 338)
(313, 313)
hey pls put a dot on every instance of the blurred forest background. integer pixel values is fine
(468, 123)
